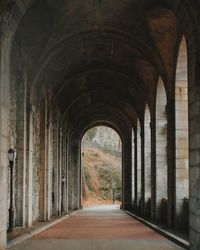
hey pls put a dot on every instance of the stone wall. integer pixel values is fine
(12, 136)
(36, 165)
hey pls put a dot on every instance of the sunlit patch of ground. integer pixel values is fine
(95, 200)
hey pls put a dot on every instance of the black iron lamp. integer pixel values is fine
(62, 199)
(11, 157)
(12, 154)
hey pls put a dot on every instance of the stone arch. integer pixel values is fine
(182, 140)
(108, 137)
(161, 148)
(125, 134)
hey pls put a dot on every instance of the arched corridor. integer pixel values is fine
(68, 66)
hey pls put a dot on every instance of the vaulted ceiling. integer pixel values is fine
(99, 54)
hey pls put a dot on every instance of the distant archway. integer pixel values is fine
(101, 167)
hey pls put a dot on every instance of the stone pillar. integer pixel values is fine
(65, 174)
(133, 169)
(45, 196)
(139, 166)
(147, 154)
(60, 170)
(194, 152)
(171, 161)
(142, 171)
(162, 158)
(29, 170)
(4, 121)
(20, 198)
(48, 172)
(59, 176)
(4, 115)
(74, 175)
(182, 171)
(127, 172)
(55, 178)
(153, 169)
(182, 141)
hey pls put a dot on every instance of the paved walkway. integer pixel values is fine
(98, 228)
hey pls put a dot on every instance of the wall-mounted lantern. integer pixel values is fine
(62, 198)
(11, 157)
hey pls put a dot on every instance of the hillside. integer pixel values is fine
(101, 176)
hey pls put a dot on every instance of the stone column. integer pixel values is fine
(139, 166)
(147, 154)
(4, 121)
(59, 177)
(153, 169)
(135, 171)
(44, 214)
(74, 175)
(48, 172)
(162, 156)
(171, 161)
(142, 171)
(194, 152)
(29, 169)
(55, 165)
(21, 154)
(127, 172)
(182, 141)
(65, 174)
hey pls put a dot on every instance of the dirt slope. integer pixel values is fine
(101, 179)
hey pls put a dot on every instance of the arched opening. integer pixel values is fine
(182, 139)
(101, 167)
(161, 153)
(147, 171)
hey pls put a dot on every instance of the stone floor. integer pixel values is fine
(98, 228)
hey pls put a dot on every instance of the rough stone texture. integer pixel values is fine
(12, 137)
(134, 148)
(36, 165)
(182, 142)
(147, 151)
(161, 147)
(139, 184)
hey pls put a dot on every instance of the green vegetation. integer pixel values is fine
(91, 133)
(101, 175)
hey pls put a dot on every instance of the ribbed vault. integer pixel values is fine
(89, 51)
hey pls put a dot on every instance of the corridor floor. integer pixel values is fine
(98, 228)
